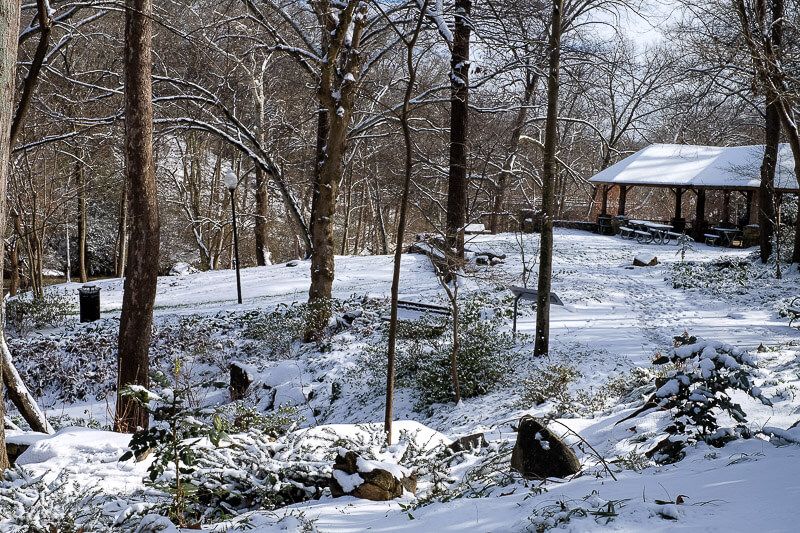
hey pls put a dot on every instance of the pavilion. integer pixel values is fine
(682, 168)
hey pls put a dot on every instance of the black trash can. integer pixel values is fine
(89, 296)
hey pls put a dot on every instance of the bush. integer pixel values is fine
(552, 383)
(698, 391)
(278, 330)
(484, 358)
(30, 504)
(718, 277)
(25, 313)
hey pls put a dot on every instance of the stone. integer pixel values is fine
(240, 381)
(376, 484)
(539, 454)
(469, 442)
(14, 450)
(645, 260)
(293, 263)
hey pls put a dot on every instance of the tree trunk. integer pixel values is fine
(9, 33)
(542, 341)
(322, 260)
(121, 248)
(141, 272)
(766, 191)
(459, 129)
(80, 179)
(262, 192)
(401, 224)
(508, 165)
(263, 255)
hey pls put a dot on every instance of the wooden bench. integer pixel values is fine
(668, 236)
(416, 310)
(711, 238)
(523, 293)
(626, 232)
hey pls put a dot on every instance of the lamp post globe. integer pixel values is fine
(231, 181)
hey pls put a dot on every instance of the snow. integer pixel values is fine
(699, 166)
(616, 319)
(348, 482)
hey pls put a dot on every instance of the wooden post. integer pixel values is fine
(623, 197)
(678, 203)
(604, 210)
(726, 206)
(700, 215)
(750, 196)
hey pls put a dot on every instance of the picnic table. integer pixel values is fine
(727, 235)
(646, 232)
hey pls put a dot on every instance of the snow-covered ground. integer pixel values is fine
(615, 318)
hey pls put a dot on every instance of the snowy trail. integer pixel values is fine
(634, 312)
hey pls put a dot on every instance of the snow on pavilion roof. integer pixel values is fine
(713, 167)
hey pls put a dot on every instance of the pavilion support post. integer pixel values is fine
(748, 213)
(700, 215)
(604, 207)
(679, 223)
(726, 207)
(623, 198)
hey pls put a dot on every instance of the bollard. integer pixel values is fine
(89, 297)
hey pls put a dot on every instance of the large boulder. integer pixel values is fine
(241, 379)
(645, 260)
(469, 442)
(539, 454)
(369, 480)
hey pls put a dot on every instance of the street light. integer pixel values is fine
(231, 181)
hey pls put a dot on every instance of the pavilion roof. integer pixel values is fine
(710, 167)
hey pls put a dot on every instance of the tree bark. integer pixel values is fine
(336, 93)
(507, 171)
(542, 340)
(459, 129)
(121, 248)
(263, 256)
(80, 183)
(9, 33)
(141, 271)
(766, 191)
(401, 224)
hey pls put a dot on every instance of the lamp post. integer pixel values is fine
(231, 181)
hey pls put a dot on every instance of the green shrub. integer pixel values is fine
(276, 331)
(698, 390)
(25, 313)
(484, 358)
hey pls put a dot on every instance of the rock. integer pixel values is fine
(293, 263)
(14, 450)
(645, 260)
(240, 381)
(539, 454)
(369, 480)
(469, 442)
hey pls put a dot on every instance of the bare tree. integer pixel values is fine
(542, 341)
(141, 271)
(9, 33)
(405, 115)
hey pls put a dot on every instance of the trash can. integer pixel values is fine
(89, 296)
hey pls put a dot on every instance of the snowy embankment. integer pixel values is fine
(615, 319)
